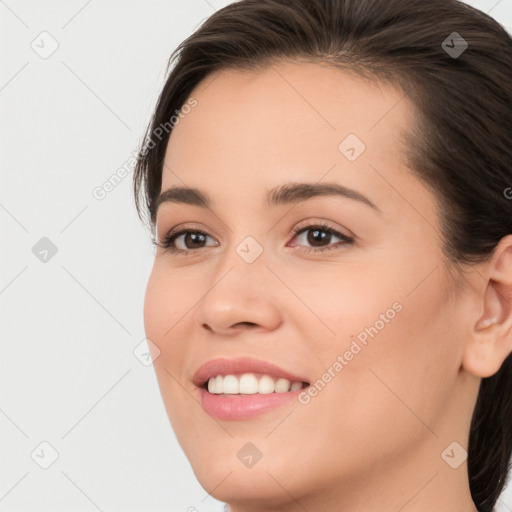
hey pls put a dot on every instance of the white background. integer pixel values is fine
(68, 375)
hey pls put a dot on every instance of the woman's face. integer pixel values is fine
(369, 323)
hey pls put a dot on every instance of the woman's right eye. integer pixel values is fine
(192, 240)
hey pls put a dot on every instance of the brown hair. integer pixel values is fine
(461, 146)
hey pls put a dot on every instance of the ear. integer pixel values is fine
(490, 340)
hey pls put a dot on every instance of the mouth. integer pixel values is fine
(243, 388)
(248, 402)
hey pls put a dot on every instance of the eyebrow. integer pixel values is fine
(289, 193)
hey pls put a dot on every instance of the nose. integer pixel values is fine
(243, 297)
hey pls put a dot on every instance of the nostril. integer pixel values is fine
(249, 324)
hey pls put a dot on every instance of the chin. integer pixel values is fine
(251, 485)
(221, 473)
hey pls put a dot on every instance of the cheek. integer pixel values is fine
(153, 308)
(164, 305)
(401, 359)
(163, 310)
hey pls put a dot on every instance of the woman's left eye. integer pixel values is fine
(319, 234)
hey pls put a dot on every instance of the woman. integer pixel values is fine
(330, 306)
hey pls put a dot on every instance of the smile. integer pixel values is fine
(250, 384)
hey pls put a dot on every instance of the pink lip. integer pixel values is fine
(239, 407)
(223, 366)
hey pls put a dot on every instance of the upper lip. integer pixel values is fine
(223, 366)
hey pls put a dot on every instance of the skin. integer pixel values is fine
(373, 437)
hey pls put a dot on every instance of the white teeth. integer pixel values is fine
(266, 385)
(230, 385)
(282, 386)
(218, 383)
(248, 384)
(295, 386)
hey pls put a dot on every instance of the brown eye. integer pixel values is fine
(320, 237)
(189, 239)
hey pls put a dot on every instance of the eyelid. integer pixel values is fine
(321, 223)
(180, 228)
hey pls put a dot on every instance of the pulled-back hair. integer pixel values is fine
(460, 146)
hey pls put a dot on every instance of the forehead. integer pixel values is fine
(286, 120)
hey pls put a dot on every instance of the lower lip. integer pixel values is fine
(241, 407)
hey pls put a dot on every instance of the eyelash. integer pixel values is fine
(167, 242)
